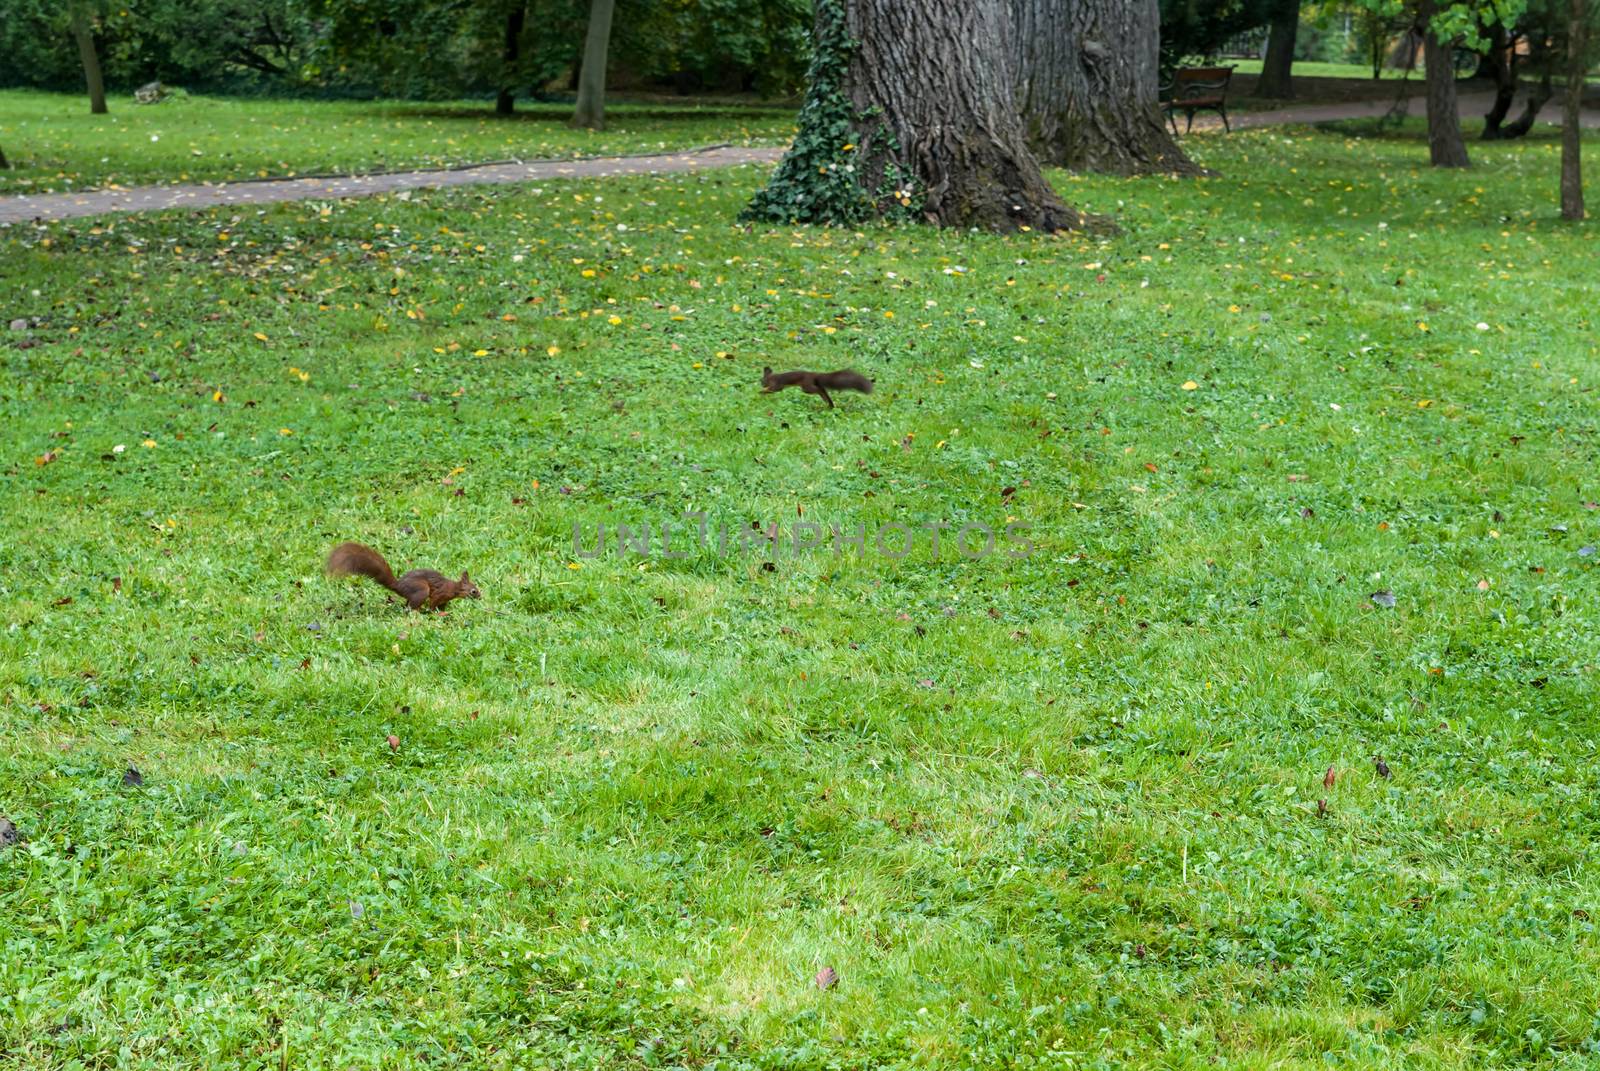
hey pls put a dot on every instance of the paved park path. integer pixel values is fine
(49, 206)
(46, 206)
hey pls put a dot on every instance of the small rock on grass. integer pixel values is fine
(8, 833)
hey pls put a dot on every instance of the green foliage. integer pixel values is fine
(729, 45)
(1201, 27)
(1051, 813)
(1460, 21)
(417, 49)
(202, 44)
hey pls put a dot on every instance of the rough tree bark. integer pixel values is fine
(1571, 163)
(910, 111)
(506, 102)
(84, 35)
(1087, 85)
(1276, 68)
(1446, 147)
(591, 109)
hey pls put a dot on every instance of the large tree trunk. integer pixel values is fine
(1276, 68)
(82, 33)
(911, 112)
(1087, 85)
(1571, 116)
(1446, 147)
(591, 109)
(506, 102)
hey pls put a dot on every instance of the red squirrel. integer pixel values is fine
(816, 382)
(420, 588)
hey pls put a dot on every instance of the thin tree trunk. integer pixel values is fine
(4, 163)
(1446, 148)
(591, 109)
(1087, 85)
(1499, 64)
(1276, 68)
(506, 102)
(82, 33)
(924, 91)
(1571, 131)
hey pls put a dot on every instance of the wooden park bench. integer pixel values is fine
(1197, 89)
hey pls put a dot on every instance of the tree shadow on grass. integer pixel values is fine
(1414, 128)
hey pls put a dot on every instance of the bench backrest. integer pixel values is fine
(1201, 77)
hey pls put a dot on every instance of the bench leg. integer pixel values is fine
(1223, 111)
(1188, 121)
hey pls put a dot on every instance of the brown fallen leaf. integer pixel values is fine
(394, 742)
(1330, 777)
(827, 978)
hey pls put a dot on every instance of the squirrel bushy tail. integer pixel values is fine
(354, 559)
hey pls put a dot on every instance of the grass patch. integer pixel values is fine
(55, 144)
(1052, 811)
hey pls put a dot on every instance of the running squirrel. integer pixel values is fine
(420, 588)
(816, 382)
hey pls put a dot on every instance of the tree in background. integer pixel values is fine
(1087, 85)
(505, 102)
(1446, 147)
(1278, 64)
(591, 108)
(83, 34)
(1202, 27)
(1443, 26)
(1571, 119)
(910, 113)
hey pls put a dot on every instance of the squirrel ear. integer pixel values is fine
(464, 578)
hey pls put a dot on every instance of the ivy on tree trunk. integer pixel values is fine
(1088, 83)
(910, 113)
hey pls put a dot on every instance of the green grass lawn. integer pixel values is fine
(55, 144)
(1068, 810)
